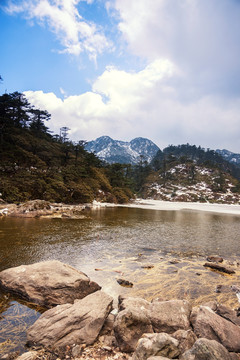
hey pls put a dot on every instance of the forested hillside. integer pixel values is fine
(36, 164)
(190, 173)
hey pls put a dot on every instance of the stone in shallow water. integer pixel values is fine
(47, 283)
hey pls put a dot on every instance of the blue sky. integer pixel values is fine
(168, 70)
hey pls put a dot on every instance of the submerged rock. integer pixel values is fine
(219, 268)
(126, 283)
(47, 283)
(215, 258)
(68, 324)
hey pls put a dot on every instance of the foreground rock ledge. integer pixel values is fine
(47, 283)
(69, 324)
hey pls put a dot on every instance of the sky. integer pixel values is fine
(166, 70)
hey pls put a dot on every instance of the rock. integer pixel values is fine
(30, 355)
(138, 316)
(147, 266)
(186, 339)
(218, 288)
(235, 288)
(156, 345)
(220, 268)
(170, 316)
(47, 283)
(157, 358)
(205, 349)
(228, 314)
(133, 302)
(108, 325)
(69, 324)
(125, 283)
(235, 356)
(129, 326)
(215, 258)
(209, 325)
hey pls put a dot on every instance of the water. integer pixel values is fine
(117, 243)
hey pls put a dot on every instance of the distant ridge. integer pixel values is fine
(229, 156)
(132, 152)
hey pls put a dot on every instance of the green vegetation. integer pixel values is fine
(38, 165)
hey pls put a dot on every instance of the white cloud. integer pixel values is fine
(126, 105)
(75, 34)
(199, 36)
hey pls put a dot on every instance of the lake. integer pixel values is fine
(161, 252)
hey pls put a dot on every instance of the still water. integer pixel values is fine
(120, 242)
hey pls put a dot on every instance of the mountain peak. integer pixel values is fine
(123, 152)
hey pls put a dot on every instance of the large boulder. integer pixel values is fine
(156, 345)
(130, 324)
(207, 324)
(205, 349)
(47, 283)
(170, 316)
(68, 324)
(138, 316)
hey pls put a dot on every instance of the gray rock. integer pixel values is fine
(170, 316)
(156, 345)
(186, 339)
(207, 324)
(69, 324)
(205, 349)
(130, 324)
(47, 283)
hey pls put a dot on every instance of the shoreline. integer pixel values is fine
(42, 208)
(150, 204)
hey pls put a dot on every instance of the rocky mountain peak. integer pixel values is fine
(131, 152)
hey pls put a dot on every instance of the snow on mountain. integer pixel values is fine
(113, 151)
(192, 183)
(229, 156)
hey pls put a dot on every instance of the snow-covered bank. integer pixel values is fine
(165, 205)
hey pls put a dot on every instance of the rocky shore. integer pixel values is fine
(81, 323)
(45, 209)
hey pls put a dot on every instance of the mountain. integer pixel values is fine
(115, 151)
(191, 182)
(229, 156)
